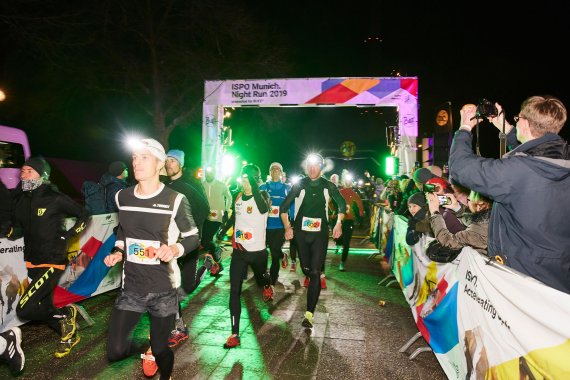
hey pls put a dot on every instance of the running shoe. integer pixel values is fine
(232, 341)
(308, 320)
(268, 293)
(323, 282)
(285, 261)
(216, 269)
(341, 267)
(307, 281)
(150, 368)
(293, 266)
(13, 353)
(208, 261)
(68, 323)
(65, 346)
(177, 336)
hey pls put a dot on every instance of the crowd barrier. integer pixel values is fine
(86, 276)
(482, 320)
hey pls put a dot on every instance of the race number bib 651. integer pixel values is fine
(311, 224)
(142, 251)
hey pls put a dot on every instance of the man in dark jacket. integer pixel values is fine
(39, 214)
(114, 179)
(529, 228)
(191, 275)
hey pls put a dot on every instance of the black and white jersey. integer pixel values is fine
(145, 224)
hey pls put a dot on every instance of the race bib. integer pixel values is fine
(213, 214)
(274, 212)
(311, 224)
(142, 251)
(245, 235)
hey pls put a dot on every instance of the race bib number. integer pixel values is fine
(142, 251)
(213, 214)
(245, 235)
(274, 212)
(311, 224)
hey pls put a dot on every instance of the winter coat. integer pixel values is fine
(475, 235)
(529, 227)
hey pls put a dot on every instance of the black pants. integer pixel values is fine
(209, 229)
(293, 249)
(312, 248)
(275, 239)
(191, 276)
(37, 302)
(347, 228)
(121, 326)
(238, 268)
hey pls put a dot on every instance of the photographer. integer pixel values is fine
(529, 228)
(477, 221)
(439, 187)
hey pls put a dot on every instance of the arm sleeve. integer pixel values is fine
(227, 198)
(442, 234)
(74, 209)
(338, 198)
(261, 200)
(189, 239)
(288, 202)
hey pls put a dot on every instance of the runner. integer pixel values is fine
(311, 234)
(277, 191)
(152, 219)
(249, 220)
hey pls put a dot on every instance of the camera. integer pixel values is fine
(429, 187)
(486, 109)
(444, 200)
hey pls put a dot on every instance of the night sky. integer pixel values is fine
(460, 53)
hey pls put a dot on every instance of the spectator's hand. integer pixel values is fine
(454, 203)
(468, 112)
(499, 119)
(433, 202)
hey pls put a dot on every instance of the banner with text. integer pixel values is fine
(481, 319)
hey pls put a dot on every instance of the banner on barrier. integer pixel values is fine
(85, 276)
(483, 320)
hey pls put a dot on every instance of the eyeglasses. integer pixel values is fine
(518, 117)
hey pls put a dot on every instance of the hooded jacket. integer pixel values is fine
(529, 227)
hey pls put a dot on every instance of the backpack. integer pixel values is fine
(95, 197)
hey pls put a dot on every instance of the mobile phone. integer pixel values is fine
(444, 200)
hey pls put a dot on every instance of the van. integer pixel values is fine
(14, 151)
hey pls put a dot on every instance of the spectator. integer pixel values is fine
(418, 223)
(440, 189)
(529, 186)
(114, 180)
(477, 222)
(421, 176)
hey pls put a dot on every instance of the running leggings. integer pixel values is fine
(275, 239)
(121, 326)
(37, 303)
(238, 268)
(312, 250)
(347, 227)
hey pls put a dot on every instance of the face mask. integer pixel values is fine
(31, 184)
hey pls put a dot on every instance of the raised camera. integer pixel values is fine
(429, 187)
(486, 109)
(444, 200)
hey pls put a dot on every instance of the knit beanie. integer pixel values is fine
(422, 175)
(39, 165)
(417, 199)
(117, 168)
(177, 154)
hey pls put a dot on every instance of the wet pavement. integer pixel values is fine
(354, 336)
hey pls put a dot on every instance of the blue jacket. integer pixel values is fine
(530, 185)
(277, 192)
